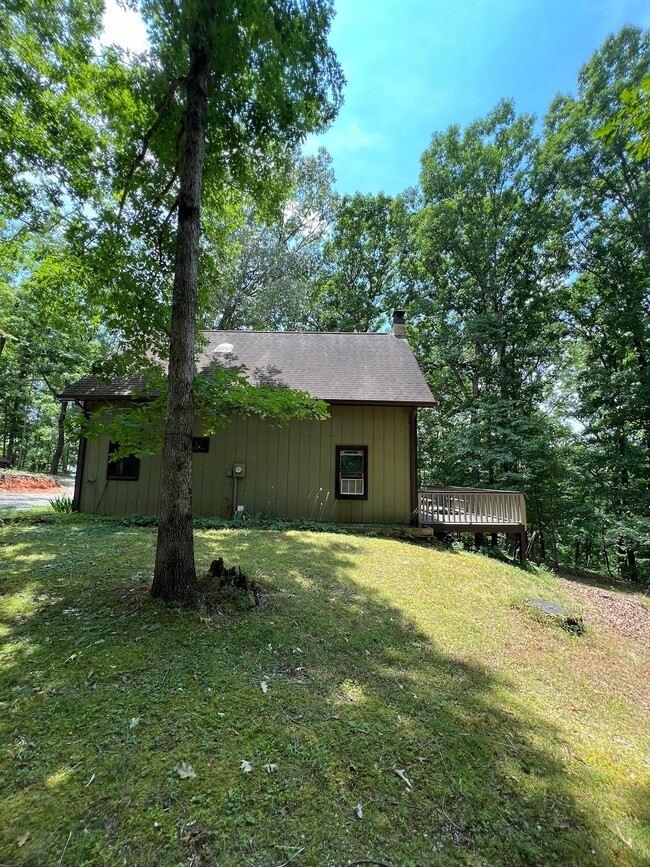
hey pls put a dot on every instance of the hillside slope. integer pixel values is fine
(393, 702)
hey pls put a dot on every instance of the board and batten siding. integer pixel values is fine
(290, 471)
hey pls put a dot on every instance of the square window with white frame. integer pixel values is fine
(352, 472)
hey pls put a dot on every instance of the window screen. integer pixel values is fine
(352, 472)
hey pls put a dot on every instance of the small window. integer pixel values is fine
(124, 469)
(352, 472)
(201, 444)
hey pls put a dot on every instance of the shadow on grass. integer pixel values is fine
(362, 707)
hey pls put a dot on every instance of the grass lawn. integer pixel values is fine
(398, 677)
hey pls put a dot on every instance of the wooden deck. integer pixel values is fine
(475, 510)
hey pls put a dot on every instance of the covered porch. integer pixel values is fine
(473, 510)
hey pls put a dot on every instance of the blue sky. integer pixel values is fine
(416, 66)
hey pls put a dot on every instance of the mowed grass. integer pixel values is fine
(385, 662)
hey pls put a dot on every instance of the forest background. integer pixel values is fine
(522, 258)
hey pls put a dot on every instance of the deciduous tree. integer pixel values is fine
(256, 77)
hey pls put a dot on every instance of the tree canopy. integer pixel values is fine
(147, 196)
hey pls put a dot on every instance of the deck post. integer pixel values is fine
(479, 539)
(523, 544)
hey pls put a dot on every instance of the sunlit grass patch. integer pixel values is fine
(397, 676)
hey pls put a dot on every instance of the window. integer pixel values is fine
(124, 469)
(352, 472)
(201, 444)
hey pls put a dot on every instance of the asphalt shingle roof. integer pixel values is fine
(336, 367)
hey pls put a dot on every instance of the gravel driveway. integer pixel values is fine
(18, 502)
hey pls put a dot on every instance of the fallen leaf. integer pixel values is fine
(264, 686)
(403, 777)
(23, 838)
(246, 766)
(135, 722)
(184, 771)
(359, 811)
(270, 768)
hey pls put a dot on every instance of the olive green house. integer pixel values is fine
(359, 465)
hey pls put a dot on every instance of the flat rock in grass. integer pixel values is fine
(553, 609)
(558, 614)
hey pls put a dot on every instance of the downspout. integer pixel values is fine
(413, 450)
(81, 460)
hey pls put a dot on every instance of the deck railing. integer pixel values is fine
(470, 506)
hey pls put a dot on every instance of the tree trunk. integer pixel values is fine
(632, 571)
(60, 442)
(22, 454)
(175, 572)
(605, 554)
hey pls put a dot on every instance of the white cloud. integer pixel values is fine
(345, 137)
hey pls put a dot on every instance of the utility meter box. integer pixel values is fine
(239, 471)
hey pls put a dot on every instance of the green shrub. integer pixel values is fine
(62, 505)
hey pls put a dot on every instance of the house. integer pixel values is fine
(357, 466)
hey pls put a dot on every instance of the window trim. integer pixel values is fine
(110, 465)
(337, 473)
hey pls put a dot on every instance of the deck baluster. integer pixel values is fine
(472, 509)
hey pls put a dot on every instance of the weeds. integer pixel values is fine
(62, 505)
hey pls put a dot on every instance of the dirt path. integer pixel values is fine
(19, 502)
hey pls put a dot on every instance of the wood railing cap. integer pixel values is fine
(439, 489)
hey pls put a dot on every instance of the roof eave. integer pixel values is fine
(116, 398)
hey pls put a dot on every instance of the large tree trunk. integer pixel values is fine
(175, 572)
(60, 441)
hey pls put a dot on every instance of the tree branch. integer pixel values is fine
(174, 84)
(49, 385)
(172, 209)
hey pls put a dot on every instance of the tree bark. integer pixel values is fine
(60, 441)
(22, 454)
(175, 571)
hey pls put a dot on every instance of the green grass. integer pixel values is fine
(524, 745)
